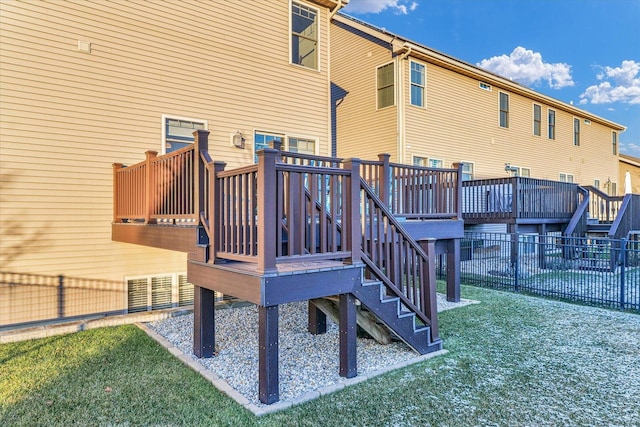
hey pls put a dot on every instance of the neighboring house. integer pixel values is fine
(427, 108)
(89, 84)
(631, 164)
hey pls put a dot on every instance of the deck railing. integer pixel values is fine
(517, 198)
(628, 217)
(415, 192)
(157, 189)
(603, 207)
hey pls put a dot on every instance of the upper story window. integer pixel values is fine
(576, 131)
(385, 85)
(178, 132)
(614, 143)
(467, 171)
(417, 84)
(304, 35)
(504, 110)
(537, 120)
(551, 132)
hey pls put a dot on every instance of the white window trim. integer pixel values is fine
(174, 117)
(533, 120)
(395, 83)
(430, 159)
(414, 157)
(424, 88)
(567, 174)
(319, 34)
(573, 131)
(508, 111)
(285, 140)
(485, 86)
(473, 164)
(555, 124)
(175, 290)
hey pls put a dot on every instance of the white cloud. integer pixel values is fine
(400, 7)
(527, 67)
(621, 84)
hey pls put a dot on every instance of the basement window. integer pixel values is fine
(157, 292)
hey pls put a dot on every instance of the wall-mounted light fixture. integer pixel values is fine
(238, 140)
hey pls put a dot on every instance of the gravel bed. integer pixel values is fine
(307, 362)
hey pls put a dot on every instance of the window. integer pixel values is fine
(518, 171)
(436, 163)
(551, 133)
(566, 177)
(385, 85)
(537, 119)
(504, 110)
(614, 143)
(264, 140)
(146, 293)
(178, 133)
(417, 84)
(613, 189)
(301, 145)
(304, 35)
(420, 161)
(294, 144)
(467, 171)
(596, 183)
(484, 86)
(576, 131)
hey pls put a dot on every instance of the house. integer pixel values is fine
(425, 107)
(89, 84)
(632, 165)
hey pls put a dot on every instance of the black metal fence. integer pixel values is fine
(595, 271)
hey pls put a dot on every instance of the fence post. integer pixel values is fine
(267, 218)
(515, 259)
(384, 175)
(60, 296)
(352, 210)
(149, 199)
(623, 263)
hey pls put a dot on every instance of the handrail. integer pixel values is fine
(603, 207)
(396, 259)
(628, 217)
(578, 224)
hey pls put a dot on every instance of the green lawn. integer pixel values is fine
(513, 360)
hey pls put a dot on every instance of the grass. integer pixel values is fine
(513, 360)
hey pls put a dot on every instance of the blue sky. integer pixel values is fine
(585, 52)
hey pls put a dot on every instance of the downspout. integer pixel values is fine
(400, 125)
(335, 10)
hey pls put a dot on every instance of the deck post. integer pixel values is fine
(352, 211)
(458, 196)
(116, 168)
(384, 175)
(200, 143)
(317, 323)
(453, 270)
(214, 210)
(204, 342)
(267, 218)
(348, 335)
(149, 191)
(268, 354)
(428, 292)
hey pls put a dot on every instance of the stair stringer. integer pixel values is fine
(389, 311)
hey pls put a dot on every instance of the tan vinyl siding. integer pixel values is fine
(363, 131)
(67, 116)
(461, 122)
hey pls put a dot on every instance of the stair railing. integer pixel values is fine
(577, 226)
(392, 256)
(603, 207)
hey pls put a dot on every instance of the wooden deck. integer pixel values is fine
(294, 227)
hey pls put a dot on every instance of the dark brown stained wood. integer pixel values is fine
(268, 372)
(453, 270)
(204, 341)
(317, 323)
(238, 284)
(174, 238)
(348, 335)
